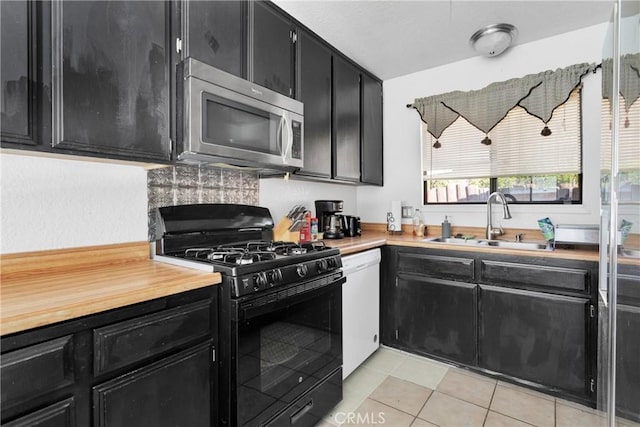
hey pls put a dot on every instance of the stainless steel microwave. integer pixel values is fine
(225, 119)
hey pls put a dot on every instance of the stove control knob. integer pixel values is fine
(322, 265)
(274, 276)
(259, 281)
(277, 275)
(302, 270)
(331, 262)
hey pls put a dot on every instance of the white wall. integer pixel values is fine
(50, 203)
(279, 195)
(402, 155)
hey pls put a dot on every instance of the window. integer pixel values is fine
(526, 166)
(628, 151)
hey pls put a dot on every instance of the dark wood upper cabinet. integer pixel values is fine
(272, 48)
(346, 121)
(98, 78)
(19, 110)
(111, 78)
(314, 66)
(371, 147)
(214, 32)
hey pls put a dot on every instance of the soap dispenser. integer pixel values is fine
(446, 228)
(418, 224)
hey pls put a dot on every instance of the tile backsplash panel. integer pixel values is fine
(197, 184)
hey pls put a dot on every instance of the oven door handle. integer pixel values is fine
(248, 311)
(301, 412)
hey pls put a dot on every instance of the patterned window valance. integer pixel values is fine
(539, 94)
(629, 78)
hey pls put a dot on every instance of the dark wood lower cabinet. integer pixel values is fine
(148, 364)
(628, 362)
(474, 310)
(172, 392)
(437, 317)
(534, 336)
(628, 342)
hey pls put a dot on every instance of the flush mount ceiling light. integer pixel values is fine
(493, 39)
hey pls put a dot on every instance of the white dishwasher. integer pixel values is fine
(360, 308)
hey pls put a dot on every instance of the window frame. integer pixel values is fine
(493, 187)
(493, 181)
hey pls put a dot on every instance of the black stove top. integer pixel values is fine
(250, 252)
(234, 240)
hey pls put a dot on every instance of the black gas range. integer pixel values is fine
(279, 312)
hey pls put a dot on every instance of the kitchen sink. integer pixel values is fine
(458, 241)
(630, 253)
(528, 246)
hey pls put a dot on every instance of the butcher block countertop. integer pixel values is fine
(42, 288)
(373, 235)
(373, 239)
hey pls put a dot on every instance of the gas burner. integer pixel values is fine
(250, 257)
(200, 253)
(296, 250)
(230, 254)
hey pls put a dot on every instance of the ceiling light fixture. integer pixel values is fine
(493, 39)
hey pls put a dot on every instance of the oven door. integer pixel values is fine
(288, 342)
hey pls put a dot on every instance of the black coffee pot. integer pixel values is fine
(351, 226)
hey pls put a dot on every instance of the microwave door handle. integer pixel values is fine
(285, 149)
(279, 134)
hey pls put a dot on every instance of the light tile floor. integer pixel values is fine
(398, 389)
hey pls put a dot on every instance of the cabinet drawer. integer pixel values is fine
(134, 340)
(37, 370)
(444, 267)
(60, 414)
(528, 275)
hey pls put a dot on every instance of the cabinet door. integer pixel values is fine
(214, 33)
(111, 78)
(18, 64)
(436, 317)
(371, 147)
(175, 391)
(272, 49)
(535, 336)
(315, 91)
(346, 120)
(628, 361)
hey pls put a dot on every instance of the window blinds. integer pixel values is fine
(628, 136)
(517, 147)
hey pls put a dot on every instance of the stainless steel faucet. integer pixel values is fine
(495, 232)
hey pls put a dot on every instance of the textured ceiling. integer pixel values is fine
(394, 38)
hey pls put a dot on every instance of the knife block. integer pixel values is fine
(281, 232)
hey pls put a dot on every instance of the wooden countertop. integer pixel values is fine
(372, 239)
(42, 288)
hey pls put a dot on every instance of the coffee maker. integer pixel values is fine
(330, 221)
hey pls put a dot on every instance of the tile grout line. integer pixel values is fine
(493, 393)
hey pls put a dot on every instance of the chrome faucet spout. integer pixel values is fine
(491, 231)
